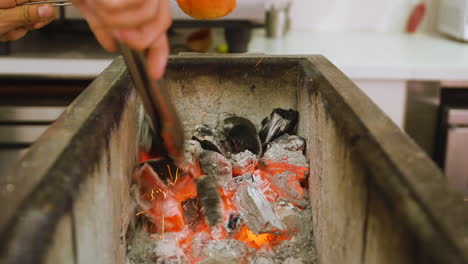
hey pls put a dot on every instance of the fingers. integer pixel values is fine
(11, 3)
(25, 15)
(142, 38)
(129, 17)
(157, 57)
(103, 36)
(14, 34)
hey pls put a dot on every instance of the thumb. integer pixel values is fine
(31, 14)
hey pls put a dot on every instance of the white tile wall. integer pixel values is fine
(357, 15)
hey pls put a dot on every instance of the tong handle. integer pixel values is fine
(53, 2)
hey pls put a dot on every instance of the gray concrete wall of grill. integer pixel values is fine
(373, 195)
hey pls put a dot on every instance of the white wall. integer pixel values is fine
(357, 15)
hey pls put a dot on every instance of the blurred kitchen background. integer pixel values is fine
(408, 56)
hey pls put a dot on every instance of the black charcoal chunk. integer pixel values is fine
(216, 166)
(255, 210)
(209, 199)
(280, 122)
(212, 139)
(233, 222)
(164, 168)
(291, 142)
(243, 135)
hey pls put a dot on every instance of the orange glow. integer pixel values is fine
(258, 241)
(279, 167)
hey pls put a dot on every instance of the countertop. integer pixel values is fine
(389, 56)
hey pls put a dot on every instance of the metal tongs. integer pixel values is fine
(53, 2)
(168, 139)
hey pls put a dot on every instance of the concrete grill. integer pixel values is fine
(376, 197)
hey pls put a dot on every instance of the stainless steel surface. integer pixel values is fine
(20, 134)
(53, 2)
(458, 117)
(457, 158)
(277, 22)
(158, 104)
(34, 114)
(422, 106)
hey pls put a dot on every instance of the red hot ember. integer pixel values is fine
(263, 207)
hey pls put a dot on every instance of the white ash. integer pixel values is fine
(216, 166)
(141, 249)
(291, 217)
(235, 182)
(279, 153)
(291, 142)
(301, 245)
(263, 260)
(255, 210)
(289, 191)
(205, 247)
(244, 159)
(168, 251)
(227, 248)
(218, 260)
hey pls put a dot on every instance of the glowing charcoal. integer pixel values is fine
(243, 163)
(255, 210)
(212, 139)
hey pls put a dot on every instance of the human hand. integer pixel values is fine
(140, 24)
(16, 19)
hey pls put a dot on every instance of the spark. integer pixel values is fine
(176, 175)
(140, 213)
(163, 226)
(177, 242)
(170, 173)
(188, 194)
(203, 114)
(259, 62)
(165, 195)
(152, 195)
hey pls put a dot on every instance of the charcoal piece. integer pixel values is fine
(291, 216)
(235, 182)
(280, 121)
(216, 166)
(164, 168)
(255, 210)
(278, 153)
(243, 135)
(212, 139)
(233, 222)
(192, 211)
(210, 199)
(244, 162)
(291, 142)
(289, 189)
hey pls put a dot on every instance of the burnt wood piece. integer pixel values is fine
(376, 197)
